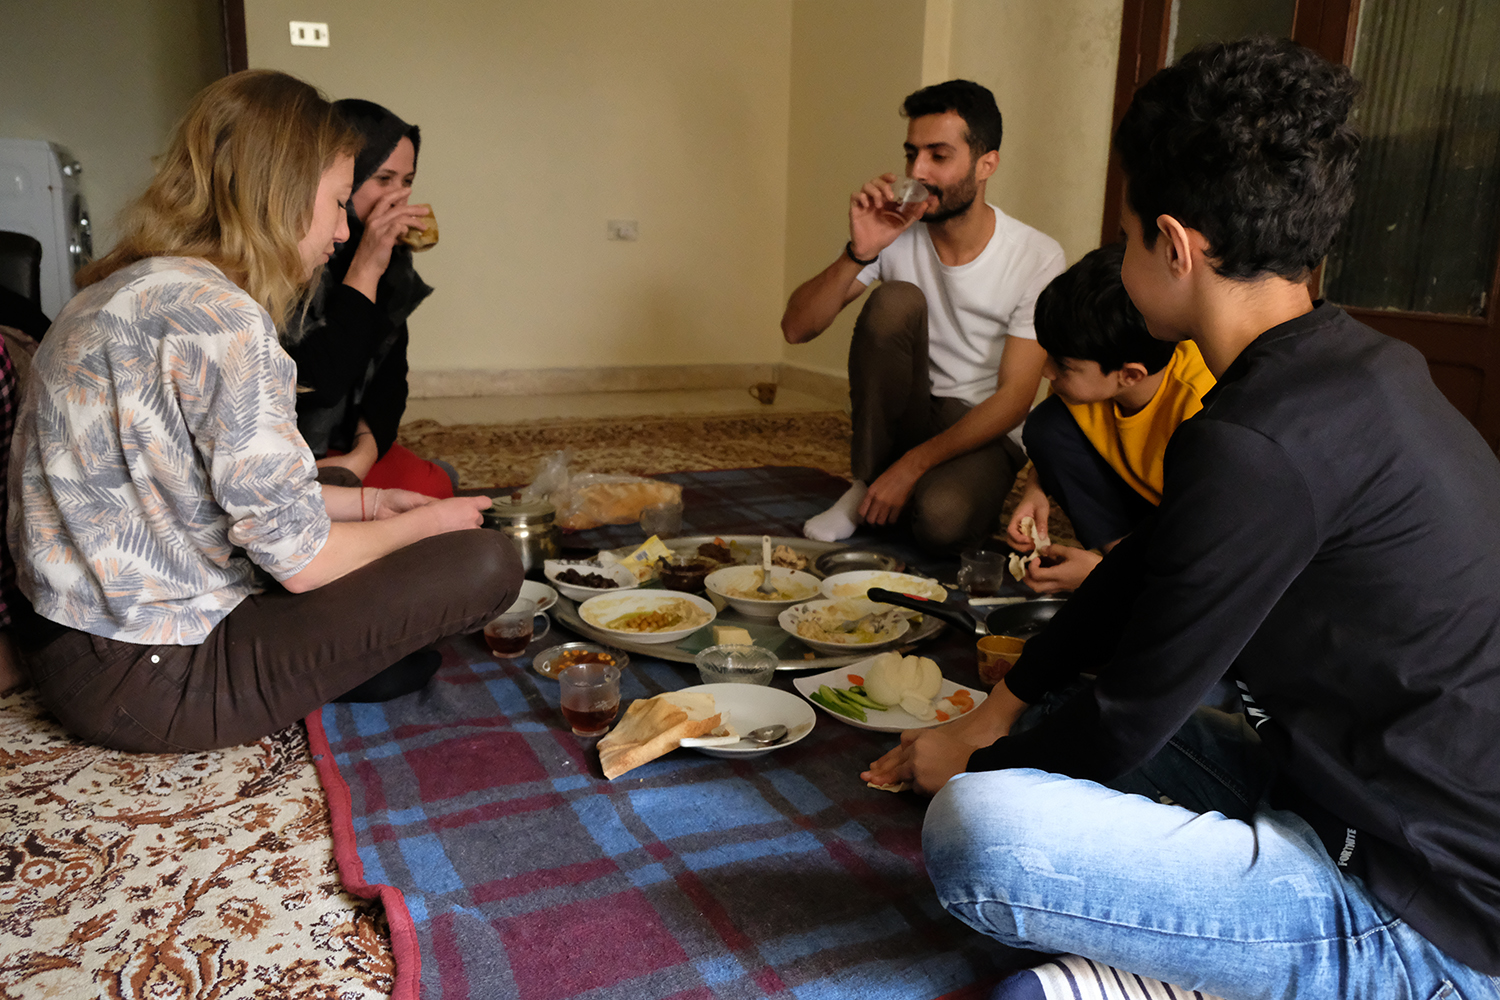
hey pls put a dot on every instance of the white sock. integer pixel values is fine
(839, 521)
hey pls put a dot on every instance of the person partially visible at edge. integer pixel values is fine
(1329, 533)
(194, 587)
(351, 346)
(1097, 443)
(944, 363)
(12, 676)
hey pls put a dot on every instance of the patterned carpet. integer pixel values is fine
(206, 875)
(508, 455)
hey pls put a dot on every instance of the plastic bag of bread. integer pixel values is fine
(591, 500)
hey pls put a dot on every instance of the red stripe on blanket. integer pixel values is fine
(352, 871)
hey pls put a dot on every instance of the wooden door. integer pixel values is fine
(1420, 257)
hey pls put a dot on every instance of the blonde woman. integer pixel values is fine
(194, 587)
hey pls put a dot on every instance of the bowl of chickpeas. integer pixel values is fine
(555, 659)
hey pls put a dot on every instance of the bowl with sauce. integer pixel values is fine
(555, 659)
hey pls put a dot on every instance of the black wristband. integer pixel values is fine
(849, 252)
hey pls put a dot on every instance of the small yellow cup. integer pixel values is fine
(997, 654)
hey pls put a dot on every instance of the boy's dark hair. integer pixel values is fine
(1247, 142)
(971, 102)
(1084, 313)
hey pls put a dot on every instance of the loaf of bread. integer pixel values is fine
(614, 503)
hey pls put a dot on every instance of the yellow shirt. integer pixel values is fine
(1134, 445)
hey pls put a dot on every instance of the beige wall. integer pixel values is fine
(107, 80)
(543, 119)
(1052, 68)
(852, 63)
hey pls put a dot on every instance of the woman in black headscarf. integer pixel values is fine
(351, 351)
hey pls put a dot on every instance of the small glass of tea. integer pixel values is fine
(509, 634)
(590, 696)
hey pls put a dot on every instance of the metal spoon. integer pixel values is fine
(765, 566)
(764, 736)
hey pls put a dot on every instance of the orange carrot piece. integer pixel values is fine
(855, 679)
(942, 716)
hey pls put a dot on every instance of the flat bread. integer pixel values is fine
(651, 727)
(1040, 543)
(900, 786)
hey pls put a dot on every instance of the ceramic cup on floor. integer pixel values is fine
(509, 634)
(764, 391)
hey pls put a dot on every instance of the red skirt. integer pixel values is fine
(403, 469)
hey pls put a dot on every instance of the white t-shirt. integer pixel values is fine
(973, 307)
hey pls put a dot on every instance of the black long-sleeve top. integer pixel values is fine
(1330, 529)
(334, 362)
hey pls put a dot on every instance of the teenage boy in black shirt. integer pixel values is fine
(1330, 532)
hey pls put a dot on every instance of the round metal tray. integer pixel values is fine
(794, 654)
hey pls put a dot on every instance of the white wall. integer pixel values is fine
(107, 80)
(1052, 68)
(853, 61)
(542, 120)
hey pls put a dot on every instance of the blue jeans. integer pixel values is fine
(1245, 908)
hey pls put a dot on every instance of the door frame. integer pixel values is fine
(1462, 352)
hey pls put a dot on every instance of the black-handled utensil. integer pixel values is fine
(1021, 620)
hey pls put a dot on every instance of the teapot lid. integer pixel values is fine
(514, 510)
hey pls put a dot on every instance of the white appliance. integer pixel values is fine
(40, 195)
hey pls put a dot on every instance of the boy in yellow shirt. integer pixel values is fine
(1096, 444)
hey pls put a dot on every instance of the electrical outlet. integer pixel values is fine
(622, 229)
(313, 33)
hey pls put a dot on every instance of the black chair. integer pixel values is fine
(21, 284)
(21, 266)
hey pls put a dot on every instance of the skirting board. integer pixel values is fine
(543, 381)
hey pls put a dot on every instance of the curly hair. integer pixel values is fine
(983, 126)
(236, 186)
(1248, 142)
(1084, 313)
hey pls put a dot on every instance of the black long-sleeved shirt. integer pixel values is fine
(334, 361)
(1330, 529)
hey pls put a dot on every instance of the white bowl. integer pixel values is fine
(746, 578)
(539, 594)
(620, 574)
(596, 611)
(748, 707)
(855, 584)
(788, 621)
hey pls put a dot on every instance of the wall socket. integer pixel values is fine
(622, 229)
(313, 33)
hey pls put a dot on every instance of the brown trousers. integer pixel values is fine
(278, 656)
(955, 504)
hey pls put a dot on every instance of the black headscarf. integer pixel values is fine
(400, 290)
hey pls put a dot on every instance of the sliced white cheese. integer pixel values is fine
(731, 635)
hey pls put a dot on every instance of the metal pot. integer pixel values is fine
(532, 527)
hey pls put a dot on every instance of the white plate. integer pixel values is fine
(742, 578)
(892, 720)
(543, 595)
(621, 575)
(750, 706)
(607, 607)
(788, 622)
(855, 584)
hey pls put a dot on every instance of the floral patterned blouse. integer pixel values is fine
(158, 458)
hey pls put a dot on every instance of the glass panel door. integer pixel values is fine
(1425, 228)
(1197, 21)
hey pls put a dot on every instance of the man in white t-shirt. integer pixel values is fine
(944, 363)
